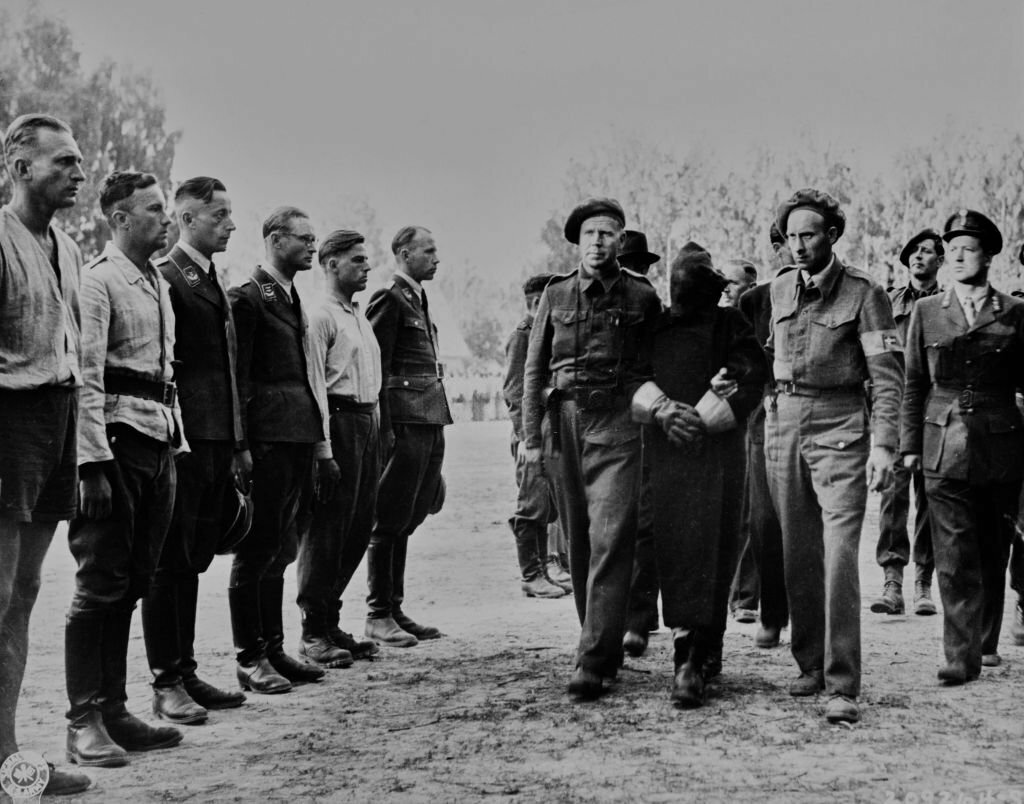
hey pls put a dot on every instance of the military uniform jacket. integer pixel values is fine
(204, 351)
(515, 365)
(756, 306)
(958, 408)
(413, 390)
(838, 337)
(275, 382)
(903, 300)
(587, 336)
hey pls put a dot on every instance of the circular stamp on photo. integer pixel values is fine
(24, 775)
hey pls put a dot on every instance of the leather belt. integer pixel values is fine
(970, 398)
(596, 398)
(166, 393)
(794, 389)
(345, 404)
(403, 369)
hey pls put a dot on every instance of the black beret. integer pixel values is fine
(536, 284)
(971, 222)
(591, 208)
(924, 234)
(634, 249)
(821, 202)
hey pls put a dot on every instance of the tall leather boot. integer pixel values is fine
(535, 581)
(88, 742)
(271, 616)
(688, 683)
(206, 695)
(124, 728)
(254, 671)
(379, 556)
(400, 551)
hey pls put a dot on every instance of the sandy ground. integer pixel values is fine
(483, 714)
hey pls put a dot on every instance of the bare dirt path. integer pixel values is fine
(482, 715)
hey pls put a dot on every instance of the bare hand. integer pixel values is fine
(912, 462)
(387, 443)
(325, 479)
(241, 467)
(879, 468)
(722, 385)
(96, 495)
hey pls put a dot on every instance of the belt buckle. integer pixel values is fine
(439, 370)
(966, 399)
(169, 394)
(785, 387)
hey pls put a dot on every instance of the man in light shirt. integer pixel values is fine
(345, 359)
(129, 426)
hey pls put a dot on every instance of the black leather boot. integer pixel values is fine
(123, 727)
(379, 566)
(88, 742)
(688, 684)
(254, 671)
(160, 630)
(271, 601)
(404, 621)
(206, 695)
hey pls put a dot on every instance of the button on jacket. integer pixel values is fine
(276, 385)
(46, 351)
(958, 408)
(204, 350)
(839, 336)
(587, 335)
(127, 328)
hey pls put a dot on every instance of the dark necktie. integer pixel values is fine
(426, 319)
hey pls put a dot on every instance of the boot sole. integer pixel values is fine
(170, 743)
(883, 608)
(925, 611)
(191, 720)
(267, 691)
(335, 664)
(109, 762)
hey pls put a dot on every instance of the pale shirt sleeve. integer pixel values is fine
(322, 330)
(93, 446)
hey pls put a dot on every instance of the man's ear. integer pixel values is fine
(833, 234)
(22, 168)
(119, 219)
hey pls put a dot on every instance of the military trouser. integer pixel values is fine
(972, 529)
(596, 476)
(816, 450)
(643, 587)
(893, 544)
(765, 536)
(535, 510)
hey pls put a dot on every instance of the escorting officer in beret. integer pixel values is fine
(761, 520)
(697, 468)
(961, 426)
(346, 359)
(281, 424)
(922, 255)
(832, 331)
(129, 425)
(535, 505)
(204, 350)
(589, 352)
(414, 412)
(642, 615)
(40, 334)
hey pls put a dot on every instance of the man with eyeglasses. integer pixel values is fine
(281, 424)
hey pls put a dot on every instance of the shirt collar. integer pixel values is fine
(976, 294)
(411, 282)
(193, 254)
(587, 282)
(279, 278)
(824, 279)
(121, 260)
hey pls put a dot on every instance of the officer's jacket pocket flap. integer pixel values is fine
(411, 383)
(569, 316)
(840, 439)
(613, 436)
(836, 317)
(938, 415)
(1001, 422)
(415, 323)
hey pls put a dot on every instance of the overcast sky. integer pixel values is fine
(462, 115)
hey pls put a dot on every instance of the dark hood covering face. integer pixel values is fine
(694, 284)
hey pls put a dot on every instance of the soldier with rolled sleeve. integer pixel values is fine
(589, 352)
(961, 427)
(129, 425)
(922, 256)
(281, 425)
(204, 350)
(832, 331)
(414, 413)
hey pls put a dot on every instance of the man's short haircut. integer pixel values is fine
(338, 242)
(119, 186)
(201, 188)
(748, 267)
(23, 134)
(405, 236)
(536, 284)
(278, 220)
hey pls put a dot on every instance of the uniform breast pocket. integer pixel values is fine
(1005, 444)
(569, 317)
(936, 423)
(835, 345)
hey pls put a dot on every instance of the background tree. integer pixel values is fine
(117, 115)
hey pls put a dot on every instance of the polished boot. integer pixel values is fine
(123, 727)
(379, 557)
(65, 783)
(406, 623)
(206, 695)
(259, 676)
(160, 631)
(271, 617)
(688, 684)
(359, 648)
(410, 626)
(253, 671)
(174, 704)
(386, 631)
(211, 697)
(88, 742)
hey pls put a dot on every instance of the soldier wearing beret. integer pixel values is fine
(204, 350)
(922, 256)
(642, 617)
(961, 426)
(535, 506)
(832, 331)
(281, 424)
(589, 351)
(414, 413)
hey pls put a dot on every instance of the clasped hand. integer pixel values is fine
(681, 423)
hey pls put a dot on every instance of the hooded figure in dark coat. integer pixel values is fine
(697, 460)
